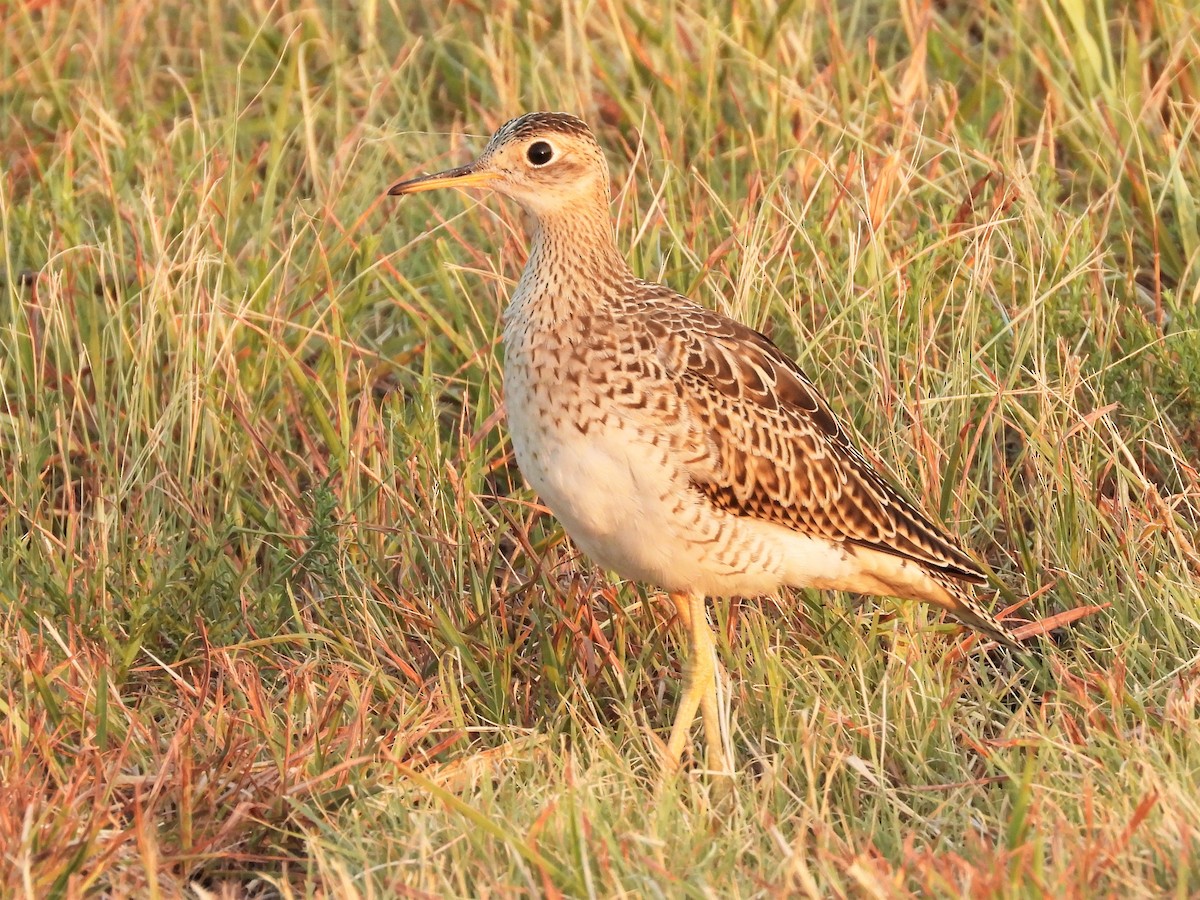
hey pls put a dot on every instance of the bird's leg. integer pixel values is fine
(694, 683)
(701, 674)
(715, 726)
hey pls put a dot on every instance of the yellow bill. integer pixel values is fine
(462, 177)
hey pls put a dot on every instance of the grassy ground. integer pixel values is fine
(277, 613)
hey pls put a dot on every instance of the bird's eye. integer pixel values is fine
(539, 153)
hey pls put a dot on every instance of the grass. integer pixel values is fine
(278, 615)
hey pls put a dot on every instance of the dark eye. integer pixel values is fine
(539, 153)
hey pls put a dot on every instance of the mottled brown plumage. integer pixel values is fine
(796, 466)
(677, 446)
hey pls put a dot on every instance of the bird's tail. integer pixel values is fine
(966, 609)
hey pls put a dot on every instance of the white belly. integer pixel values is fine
(600, 488)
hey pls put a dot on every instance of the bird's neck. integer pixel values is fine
(574, 267)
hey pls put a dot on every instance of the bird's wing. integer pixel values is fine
(773, 448)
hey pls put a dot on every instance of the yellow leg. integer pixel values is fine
(701, 679)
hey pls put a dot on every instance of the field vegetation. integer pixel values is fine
(278, 615)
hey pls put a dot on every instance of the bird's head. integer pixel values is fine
(548, 162)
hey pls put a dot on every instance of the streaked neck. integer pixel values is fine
(573, 266)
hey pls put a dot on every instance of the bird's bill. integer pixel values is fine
(463, 176)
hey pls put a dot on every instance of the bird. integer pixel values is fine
(677, 446)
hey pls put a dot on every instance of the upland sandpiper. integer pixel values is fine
(678, 447)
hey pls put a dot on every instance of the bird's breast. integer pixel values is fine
(605, 471)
